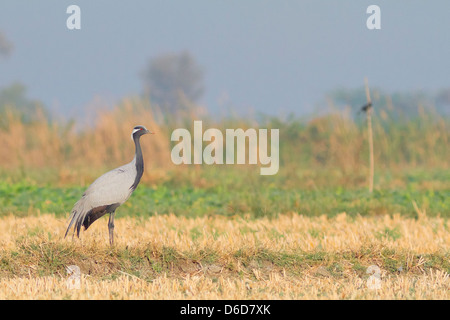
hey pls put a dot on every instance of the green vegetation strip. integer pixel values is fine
(22, 199)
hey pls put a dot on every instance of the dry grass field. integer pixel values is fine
(169, 257)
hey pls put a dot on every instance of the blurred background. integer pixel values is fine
(260, 56)
(69, 98)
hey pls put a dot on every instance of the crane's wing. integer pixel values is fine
(104, 195)
(112, 187)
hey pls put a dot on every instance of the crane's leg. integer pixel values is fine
(111, 228)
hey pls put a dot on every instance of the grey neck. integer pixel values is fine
(139, 163)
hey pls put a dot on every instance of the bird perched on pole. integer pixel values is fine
(365, 107)
(109, 191)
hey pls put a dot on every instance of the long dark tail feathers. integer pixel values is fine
(79, 212)
(82, 216)
(75, 219)
(70, 224)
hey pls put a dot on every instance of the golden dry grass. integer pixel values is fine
(169, 257)
(68, 150)
(80, 151)
(431, 285)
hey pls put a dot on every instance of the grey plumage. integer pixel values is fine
(109, 191)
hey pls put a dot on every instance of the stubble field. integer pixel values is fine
(169, 257)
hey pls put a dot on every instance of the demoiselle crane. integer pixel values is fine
(109, 191)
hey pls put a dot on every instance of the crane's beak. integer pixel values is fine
(148, 131)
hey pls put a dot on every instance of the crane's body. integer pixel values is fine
(109, 191)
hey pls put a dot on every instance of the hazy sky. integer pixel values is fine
(271, 56)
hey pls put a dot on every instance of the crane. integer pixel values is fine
(109, 191)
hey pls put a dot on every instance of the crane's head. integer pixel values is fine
(139, 131)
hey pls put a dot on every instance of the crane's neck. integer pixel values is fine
(139, 162)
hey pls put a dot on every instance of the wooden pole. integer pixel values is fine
(370, 135)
